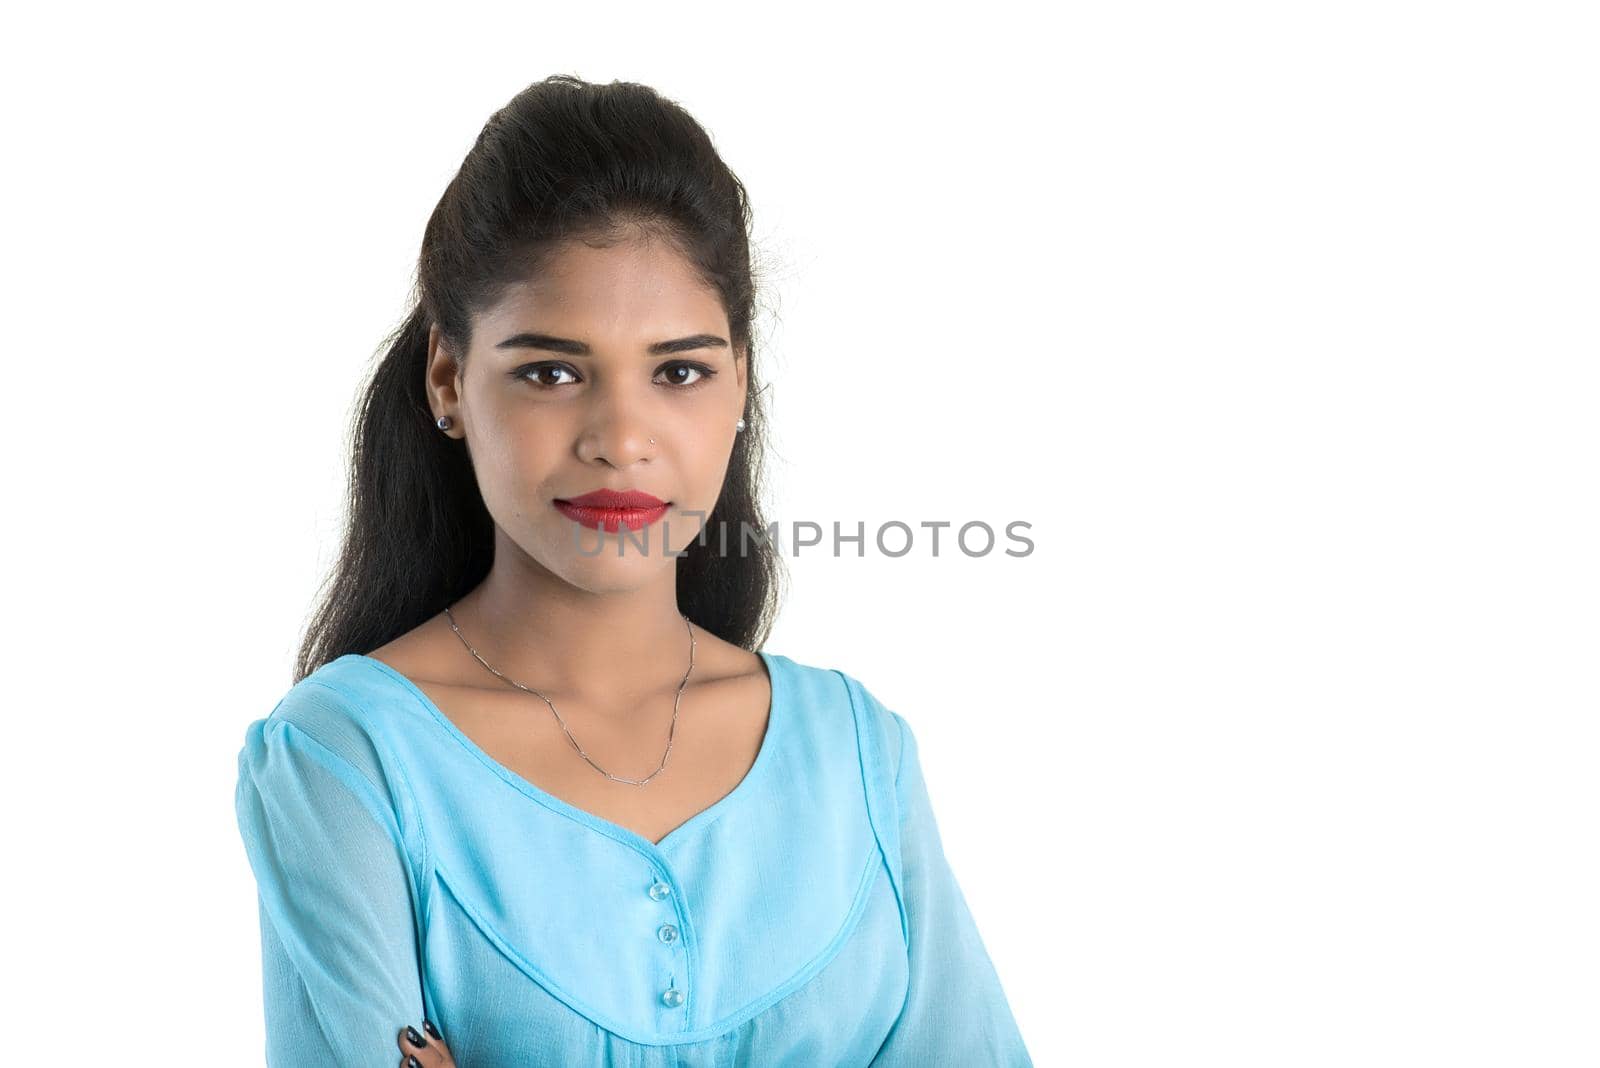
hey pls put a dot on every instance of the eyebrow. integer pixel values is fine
(570, 347)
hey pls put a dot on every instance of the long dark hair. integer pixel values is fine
(563, 158)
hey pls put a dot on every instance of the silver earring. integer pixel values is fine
(740, 424)
(652, 441)
(443, 422)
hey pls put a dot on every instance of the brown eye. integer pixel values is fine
(684, 374)
(535, 374)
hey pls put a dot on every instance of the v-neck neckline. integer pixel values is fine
(777, 713)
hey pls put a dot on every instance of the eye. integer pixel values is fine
(532, 372)
(680, 374)
(677, 368)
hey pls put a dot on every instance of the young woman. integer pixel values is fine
(537, 795)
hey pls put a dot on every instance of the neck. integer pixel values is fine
(544, 632)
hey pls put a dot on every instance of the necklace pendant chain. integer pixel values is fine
(671, 731)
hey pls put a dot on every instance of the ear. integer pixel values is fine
(443, 378)
(741, 366)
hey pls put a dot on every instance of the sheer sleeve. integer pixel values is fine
(955, 1010)
(340, 963)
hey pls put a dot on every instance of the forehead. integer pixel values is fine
(636, 287)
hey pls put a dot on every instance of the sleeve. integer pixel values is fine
(340, 962)
(955, 1010)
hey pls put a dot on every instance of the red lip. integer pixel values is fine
(608, 498)
(611, 510)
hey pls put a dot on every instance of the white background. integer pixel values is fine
(1277, 322)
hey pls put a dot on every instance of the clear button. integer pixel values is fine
(659, 890)
(667, 933)
(672, 998)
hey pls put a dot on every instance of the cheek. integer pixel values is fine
(514, 470)
(695, 454)
(705, 470)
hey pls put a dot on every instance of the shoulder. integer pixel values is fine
(820, 689)
(326, 717)
(331, 704)
(312, 763)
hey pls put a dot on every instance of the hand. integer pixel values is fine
(426, 1051)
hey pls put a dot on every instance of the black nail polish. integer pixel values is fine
(427, 1025)
(414, 1038)
(412, 1062)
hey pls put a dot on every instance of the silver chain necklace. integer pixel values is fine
(671, 731)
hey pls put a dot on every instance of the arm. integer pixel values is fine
(955, 1011)
(340, 964)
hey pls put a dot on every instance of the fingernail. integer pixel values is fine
(412, 1062)
(427, 1025)
(414, 1038)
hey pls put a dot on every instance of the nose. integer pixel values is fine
(616, 428)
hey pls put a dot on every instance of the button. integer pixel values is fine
(672, 998)
(659, 890)
(667, 933)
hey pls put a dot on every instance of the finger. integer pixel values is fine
(431, 1053)
(447, 1060)
(419, 1051)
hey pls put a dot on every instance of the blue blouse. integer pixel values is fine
(808, 918)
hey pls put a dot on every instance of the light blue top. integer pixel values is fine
(809, 918)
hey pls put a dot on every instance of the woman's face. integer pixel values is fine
(568, 380)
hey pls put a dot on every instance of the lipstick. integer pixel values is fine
(610, 510)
